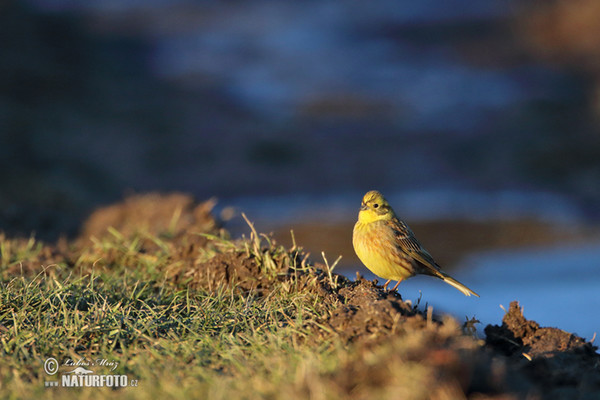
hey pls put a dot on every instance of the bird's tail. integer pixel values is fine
(451, 281)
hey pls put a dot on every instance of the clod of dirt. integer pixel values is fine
(364, 310)
(232, 269)
(517, 335)
(562, 365)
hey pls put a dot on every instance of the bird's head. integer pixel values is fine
(374, 207)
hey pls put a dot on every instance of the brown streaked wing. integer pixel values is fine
(407, 243)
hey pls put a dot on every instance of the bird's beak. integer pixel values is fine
(363, 207)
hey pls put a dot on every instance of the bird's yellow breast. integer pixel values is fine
(374, 245)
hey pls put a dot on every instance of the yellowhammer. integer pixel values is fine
(388, 247)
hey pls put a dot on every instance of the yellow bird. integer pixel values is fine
(388, 247)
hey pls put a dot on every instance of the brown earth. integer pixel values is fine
(172, 215)
(518, 359)
(563, 364)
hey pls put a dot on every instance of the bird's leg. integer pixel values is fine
(396, 286)
(386, 283)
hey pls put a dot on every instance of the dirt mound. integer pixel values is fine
(356, 310)
(173, 224)
(364, 310)
(156, 214)
(125, 234)
(518, 336)
(235, 270)
(562, 364)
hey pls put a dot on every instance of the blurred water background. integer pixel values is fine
(478, 120)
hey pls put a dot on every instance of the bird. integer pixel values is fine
(388, 247)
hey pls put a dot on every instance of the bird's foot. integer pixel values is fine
(396, 286)
(386, 284)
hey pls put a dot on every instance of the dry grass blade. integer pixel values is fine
(332, 280)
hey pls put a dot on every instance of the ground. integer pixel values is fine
(155, 286)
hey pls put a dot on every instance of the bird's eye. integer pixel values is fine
(375, 205)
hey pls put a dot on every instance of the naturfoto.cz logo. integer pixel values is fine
(80, 374)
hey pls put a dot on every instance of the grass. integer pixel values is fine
(129, 300)
(156, 332)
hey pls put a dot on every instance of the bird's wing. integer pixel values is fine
(407, 243)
